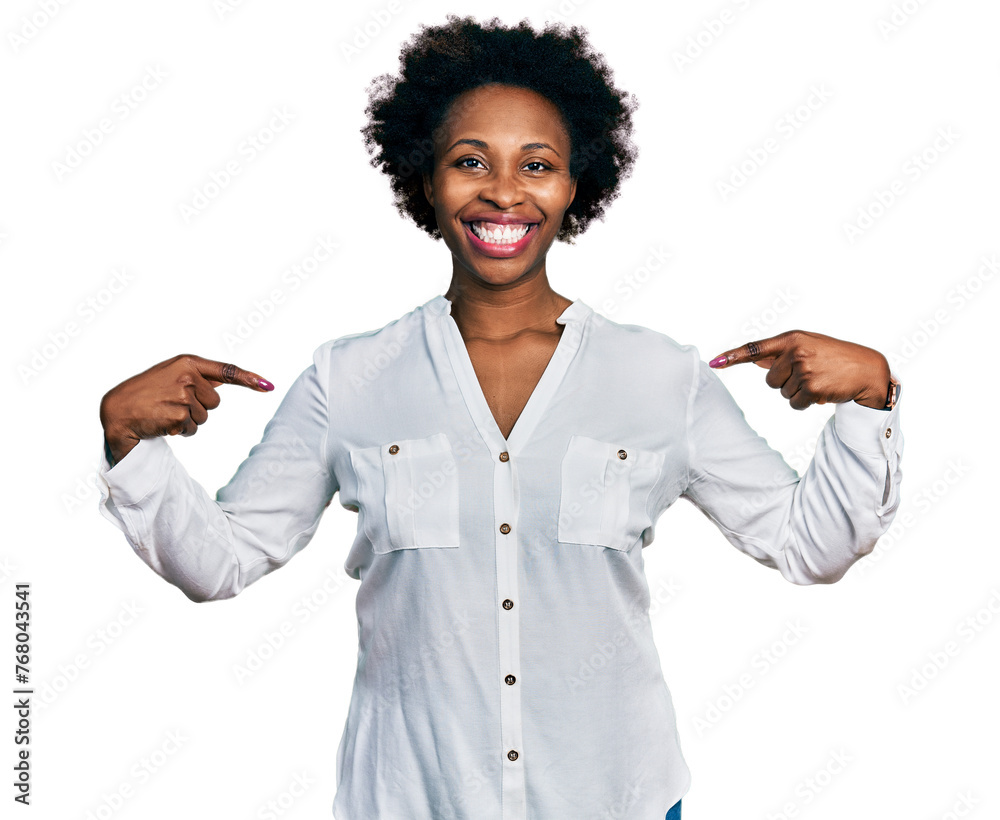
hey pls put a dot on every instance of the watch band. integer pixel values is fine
(895, 390)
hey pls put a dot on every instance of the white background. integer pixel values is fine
(114, 685)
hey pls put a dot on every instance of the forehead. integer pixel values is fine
(502, 110)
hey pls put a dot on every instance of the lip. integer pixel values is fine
(500, 218)
(501, 251)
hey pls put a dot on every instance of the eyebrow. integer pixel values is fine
(528, 146)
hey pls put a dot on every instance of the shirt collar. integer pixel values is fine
(574, 313)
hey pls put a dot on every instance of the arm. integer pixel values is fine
(811, 529)
(269, 510)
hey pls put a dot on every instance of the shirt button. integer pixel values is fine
(622, 455)
(505, 528)
(508, 603)
(509, 680)
(393, 449)
(888, 432)
(504, 456)
(512, 755)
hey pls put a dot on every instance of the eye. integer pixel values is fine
(541, 165)
(462, 162)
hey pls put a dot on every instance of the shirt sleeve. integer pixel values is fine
(810, 528)
(269, 510)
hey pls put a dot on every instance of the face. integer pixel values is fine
(501, 163)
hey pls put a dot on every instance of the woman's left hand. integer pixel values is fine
(811, 368)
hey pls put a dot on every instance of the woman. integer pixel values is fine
(508, 462)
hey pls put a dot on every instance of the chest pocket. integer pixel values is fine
(408, 492)
(604, 490)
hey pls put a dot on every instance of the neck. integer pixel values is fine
(488, 312)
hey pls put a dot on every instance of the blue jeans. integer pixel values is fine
(675, 812)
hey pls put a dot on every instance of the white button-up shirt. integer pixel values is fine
(507, 668)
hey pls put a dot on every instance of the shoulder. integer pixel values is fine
(390, 340)
(641, 345)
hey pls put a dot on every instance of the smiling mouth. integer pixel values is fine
(495, 234)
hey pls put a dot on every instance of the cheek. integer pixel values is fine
(449, 195)
(557, 196)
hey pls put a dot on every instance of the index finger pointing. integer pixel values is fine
(763, 352)
(225, 373)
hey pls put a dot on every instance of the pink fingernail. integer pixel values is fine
(265, 384)
(718, 361)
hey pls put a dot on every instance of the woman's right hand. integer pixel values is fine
(171, 398)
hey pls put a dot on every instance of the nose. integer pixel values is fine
(502, 187)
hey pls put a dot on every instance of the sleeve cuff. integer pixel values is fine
(867, 429)
(130, 480)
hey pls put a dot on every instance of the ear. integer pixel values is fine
(572, 192)
(428, 189)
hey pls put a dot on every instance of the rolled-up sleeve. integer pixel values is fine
(270, 509)
(810, 528)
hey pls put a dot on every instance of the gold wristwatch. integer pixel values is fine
(895, 389)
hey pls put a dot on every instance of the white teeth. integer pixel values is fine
(500, 235)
